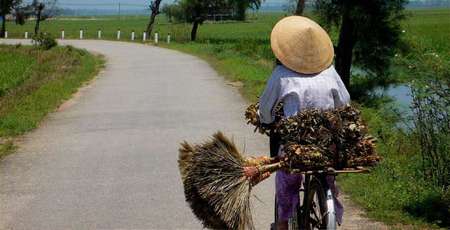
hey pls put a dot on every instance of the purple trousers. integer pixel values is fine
(287, 194)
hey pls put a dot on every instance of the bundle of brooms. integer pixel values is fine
(217, 179)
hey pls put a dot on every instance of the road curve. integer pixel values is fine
(107, 159)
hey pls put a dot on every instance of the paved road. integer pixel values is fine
(108, 158)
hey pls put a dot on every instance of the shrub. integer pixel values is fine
(431, 113)
(431, 106)
(44, 41)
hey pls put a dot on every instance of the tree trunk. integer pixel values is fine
(155, 11)
(38, 21)
(300, 7)
(241, 8)
(150, 24)
(344, 51)
(194, 30)
(3, 29)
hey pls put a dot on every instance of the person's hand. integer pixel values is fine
(253, 174)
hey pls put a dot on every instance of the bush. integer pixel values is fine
(431, 107)
(432, 118)
(431, 115)
(44, 41)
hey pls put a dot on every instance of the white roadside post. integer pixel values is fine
(144, 36)
(118, 34)
(99, 34)
(132, 35)
(156, 38)
(62, 34)
(26, 35)
(6, 34)
(168, 38)
(81, 33)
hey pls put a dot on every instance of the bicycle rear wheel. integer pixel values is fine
(319, 210)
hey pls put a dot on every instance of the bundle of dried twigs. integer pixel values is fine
(252, 117)
(215, 182)
(315, 139)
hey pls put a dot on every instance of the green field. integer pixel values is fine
(431, 26)
(395, 192)
(258, 26)
(33, 82)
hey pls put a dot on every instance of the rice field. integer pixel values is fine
(430, 26)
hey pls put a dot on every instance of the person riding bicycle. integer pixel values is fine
(304, 78)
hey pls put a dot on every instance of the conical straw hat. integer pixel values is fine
(302, 45)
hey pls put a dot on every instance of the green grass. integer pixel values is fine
(17, 74)
(257, 27)
(430, 27)
(35, 82)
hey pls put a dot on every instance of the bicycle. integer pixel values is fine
(316, 208)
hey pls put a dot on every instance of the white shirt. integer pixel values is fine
(324, 90)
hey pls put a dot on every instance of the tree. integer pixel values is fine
(154, 8)
(174, 12)
(42, 11)
(195, 12)
(300, 7)
(369, 31)
(7, 7)
(295, 7)
(39, 7)
(167, 9)
(241, 6)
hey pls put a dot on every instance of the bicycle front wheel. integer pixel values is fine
(319, 206)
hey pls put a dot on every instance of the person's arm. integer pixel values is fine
(269, 99)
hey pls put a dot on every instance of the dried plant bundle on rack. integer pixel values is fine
(315, 139)
(252, 117)
(306, 157)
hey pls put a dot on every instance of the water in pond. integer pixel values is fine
(401, 94)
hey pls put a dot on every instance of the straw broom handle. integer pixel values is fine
(271, 167)
(262, 160)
